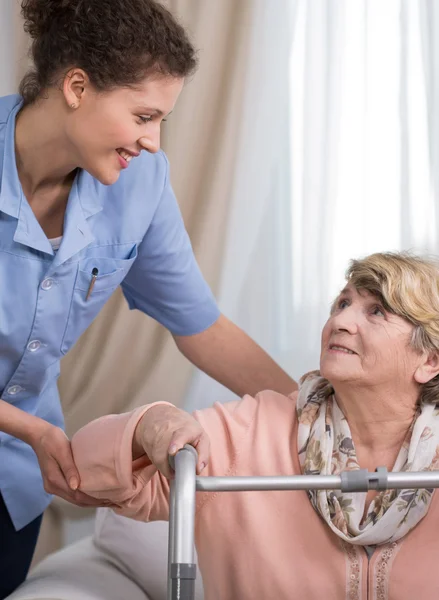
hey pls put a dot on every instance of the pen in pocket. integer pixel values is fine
(94, 274)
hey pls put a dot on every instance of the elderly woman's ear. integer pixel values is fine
(429, 367)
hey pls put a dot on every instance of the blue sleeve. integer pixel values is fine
(165, 281)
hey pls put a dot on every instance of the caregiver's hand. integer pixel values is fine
(164, 430)
(60, 476)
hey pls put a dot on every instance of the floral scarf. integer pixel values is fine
(326, 447)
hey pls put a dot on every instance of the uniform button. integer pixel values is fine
(34, 345)
(14, 389)
(47, 284)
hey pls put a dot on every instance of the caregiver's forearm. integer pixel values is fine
(19, 424)
(231, 357)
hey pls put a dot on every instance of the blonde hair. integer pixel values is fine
(408, 286)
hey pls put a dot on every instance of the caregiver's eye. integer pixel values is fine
(343, 303)
(143, 120)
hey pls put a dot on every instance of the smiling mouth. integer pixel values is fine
(124, 154)
(336, 348)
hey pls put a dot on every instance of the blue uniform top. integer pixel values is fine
(131, 232)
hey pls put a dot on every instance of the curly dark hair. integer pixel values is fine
(116, 42)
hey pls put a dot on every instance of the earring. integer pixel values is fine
(73, 105)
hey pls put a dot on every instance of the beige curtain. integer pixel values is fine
(125, 358)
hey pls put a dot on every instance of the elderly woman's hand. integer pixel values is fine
(165, 429)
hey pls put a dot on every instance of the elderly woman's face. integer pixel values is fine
(364, 344)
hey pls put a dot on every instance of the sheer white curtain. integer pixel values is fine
(255, 285)
(429, 26)
(364, 177)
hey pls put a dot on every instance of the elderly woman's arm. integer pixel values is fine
(119, 456)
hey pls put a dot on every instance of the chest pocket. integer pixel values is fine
(110, 273)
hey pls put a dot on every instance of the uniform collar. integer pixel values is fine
(11, 193)
(85, 200)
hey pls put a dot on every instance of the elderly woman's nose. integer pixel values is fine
(346, 320)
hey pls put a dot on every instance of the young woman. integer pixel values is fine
(82, 210)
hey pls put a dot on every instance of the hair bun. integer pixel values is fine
(116, 43)
(41, 15)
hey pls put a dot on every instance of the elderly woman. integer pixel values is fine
(373, 403)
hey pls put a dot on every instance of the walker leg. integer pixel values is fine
(183, 581)
(181, 568)
(171, 540)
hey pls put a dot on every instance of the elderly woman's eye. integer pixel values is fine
(378, 311)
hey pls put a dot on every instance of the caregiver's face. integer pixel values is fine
(365, 344)
(110, 129)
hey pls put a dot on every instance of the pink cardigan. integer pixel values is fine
(258, 544)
